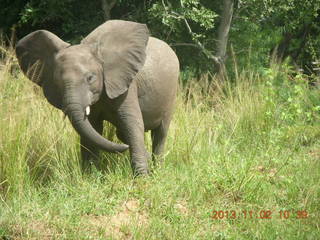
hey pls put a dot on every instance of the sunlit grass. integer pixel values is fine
(250, 145)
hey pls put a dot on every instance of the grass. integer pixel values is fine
(237, 154)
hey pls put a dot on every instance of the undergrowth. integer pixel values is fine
(242, 162)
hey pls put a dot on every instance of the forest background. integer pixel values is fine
(204, 33)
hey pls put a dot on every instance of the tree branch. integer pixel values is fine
(199, 45)
(222, 37)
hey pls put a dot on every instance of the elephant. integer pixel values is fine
(118, 73)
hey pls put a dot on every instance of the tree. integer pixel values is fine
(223, 35)
(70, 19)
(10, 15)
(185, 23)
(201, 31)
(280, 29)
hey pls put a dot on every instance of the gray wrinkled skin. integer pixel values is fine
(125, 76)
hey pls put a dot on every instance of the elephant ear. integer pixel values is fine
(35, 53)
(121, 47)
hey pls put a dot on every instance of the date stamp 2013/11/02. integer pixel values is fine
(261, 214)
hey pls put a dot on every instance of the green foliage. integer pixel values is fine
(182, 23)
(70, 19)
(192, 10)
(258, 28)
(290, 27)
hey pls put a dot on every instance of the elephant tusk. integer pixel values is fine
(87, 111)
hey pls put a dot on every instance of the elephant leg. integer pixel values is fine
(130, 129)
(132, 133)
(159, 136)
(89, 152)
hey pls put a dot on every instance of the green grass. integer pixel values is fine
(251, 146)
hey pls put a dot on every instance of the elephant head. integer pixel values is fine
(74, 77)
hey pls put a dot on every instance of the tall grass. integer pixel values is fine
(251, 144)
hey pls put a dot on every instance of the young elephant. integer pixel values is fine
(117, 73)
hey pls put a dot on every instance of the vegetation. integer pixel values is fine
(250, 148)
(242, 158)
(202, 32)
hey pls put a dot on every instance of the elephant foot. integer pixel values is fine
(140, 165)
(140, 169)
(140, 173)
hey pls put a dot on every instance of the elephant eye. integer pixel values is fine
(91, 78)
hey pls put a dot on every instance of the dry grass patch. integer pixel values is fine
(34, 229)
(181, 206)
(120, 225)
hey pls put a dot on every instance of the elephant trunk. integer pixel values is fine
(82, 125)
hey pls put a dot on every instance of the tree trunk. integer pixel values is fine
(107, 5)
(282, 49)
(223, 35)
